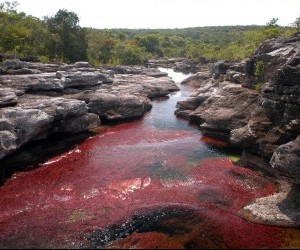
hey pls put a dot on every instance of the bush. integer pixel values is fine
(129, 55)
(259, 68)
(258, 86)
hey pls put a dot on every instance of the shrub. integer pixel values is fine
(258, 86)
(259, 68)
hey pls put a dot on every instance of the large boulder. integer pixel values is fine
(8, 97)
(198, 79)
(286, 160)
(15, 64)
(81, 79)
(220, 107)
(27, 123)
(32, 83)
(35, 118)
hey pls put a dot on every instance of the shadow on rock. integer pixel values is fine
(290, 206)
(34, 153)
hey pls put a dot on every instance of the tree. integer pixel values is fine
(151, 44)
(297, 23)
(20, 34)
(10, 7)
(68, 40)
(106, 49)
(272, 22)
(272, 29)
(129, 54)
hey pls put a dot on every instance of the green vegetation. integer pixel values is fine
(258, 86)
(60, 38)
(67, 41)
(259, 67)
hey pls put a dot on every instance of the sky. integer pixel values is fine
(167, 13)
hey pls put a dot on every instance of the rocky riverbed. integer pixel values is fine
(251, 105)
(38, 100)
(254, 105)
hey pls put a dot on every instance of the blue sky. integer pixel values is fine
(167, 13)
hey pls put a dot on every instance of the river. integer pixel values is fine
(150, 183)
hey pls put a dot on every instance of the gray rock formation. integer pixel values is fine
(198, 79)
(256, 108)
(61, 98)
(286, 159)
(8, 97)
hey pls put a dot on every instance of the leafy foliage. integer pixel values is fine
(68, 40)
(60, 38)
(259, 67)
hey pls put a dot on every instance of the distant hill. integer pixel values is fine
(210, 34)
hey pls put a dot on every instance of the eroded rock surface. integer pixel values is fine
(38, 100)
(254, 105)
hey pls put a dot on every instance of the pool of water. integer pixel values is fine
(150, 183)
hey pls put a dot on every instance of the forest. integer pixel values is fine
(60, 38)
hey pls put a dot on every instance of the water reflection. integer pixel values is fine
(162, 114)
(177, 77)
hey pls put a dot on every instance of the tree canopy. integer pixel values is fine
(67, 38)
(60, 38)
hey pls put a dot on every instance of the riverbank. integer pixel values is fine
(148, 183)
(41, 100)
(253, 105)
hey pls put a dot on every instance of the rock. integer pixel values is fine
(23, 71)
(7, 143)
(141, 85)
(82, 65)
(164, 61)
(58, 108)
(32, 83)
(85, 95)
(238, 67)
(36, 118)
(14, 64)
(81, 79)
(286, 160)
(260, 114)
(234, 76)
(191, 103)
(28, 123)
(49, 67)
(76, 124)
(280, 209)
(6, 124)
(3, 71)
(198, 79)
(8, 97)
(112, 107)
(185, 66)
(220, 107)
(219, 68)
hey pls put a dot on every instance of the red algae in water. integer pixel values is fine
(214, 142)
(129, 168)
